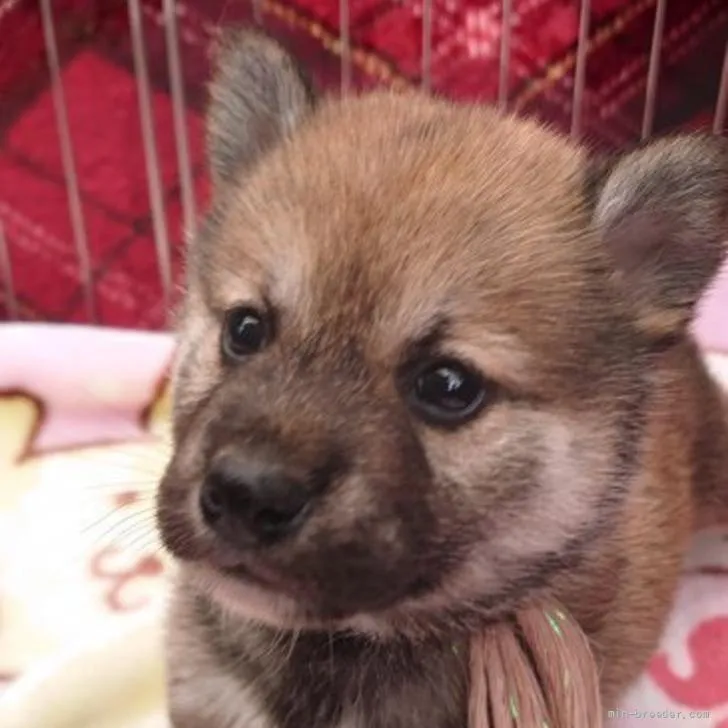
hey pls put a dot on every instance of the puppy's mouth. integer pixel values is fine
(418, 609)
(263, 579)
(246, 574)
(301, 598)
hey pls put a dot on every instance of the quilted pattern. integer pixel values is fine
(386, 43)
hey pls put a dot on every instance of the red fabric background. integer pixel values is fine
(386, 41)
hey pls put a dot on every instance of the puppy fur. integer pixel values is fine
(378, 231)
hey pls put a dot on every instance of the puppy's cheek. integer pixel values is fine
(179, 518)
(175, 517)
(575, 476)
(567, 501)
(537, 489)
(568, 478)
(492, 465)
(196, 366)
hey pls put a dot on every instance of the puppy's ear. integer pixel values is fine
(662, 211)
(258, 96)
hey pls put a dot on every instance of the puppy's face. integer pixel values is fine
(411, 375)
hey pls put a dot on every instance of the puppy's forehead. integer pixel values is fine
(404, 209)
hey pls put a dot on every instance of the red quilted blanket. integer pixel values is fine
(386, 48)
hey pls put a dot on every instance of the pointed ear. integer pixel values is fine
(258, 96)
(662, 211)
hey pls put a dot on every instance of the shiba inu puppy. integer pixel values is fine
(434, 363)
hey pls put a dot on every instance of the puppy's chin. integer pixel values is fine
(414, 618)
(245, 599)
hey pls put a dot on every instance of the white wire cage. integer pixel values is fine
(167, 14)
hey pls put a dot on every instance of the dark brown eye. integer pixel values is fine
(447, 392)
(245, 332)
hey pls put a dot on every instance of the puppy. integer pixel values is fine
(433, 363)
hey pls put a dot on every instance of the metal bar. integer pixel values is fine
(73, 193)
(427, 45)
(257, 12)
(653, 72)
(6, 269)
(176, 81)
(154, 178)
(345, 39)
(505, 53)
(580, 69)
(721, 104)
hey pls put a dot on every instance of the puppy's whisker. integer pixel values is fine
(111, 530)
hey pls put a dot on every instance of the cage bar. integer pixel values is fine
(427, 45)
(580, 68)
(257, 12)
(6, 273)
(177, 93)
(653, 72)
(68, 161)
(345, 42)
(504, 65)
(151, 159)
(721, 103)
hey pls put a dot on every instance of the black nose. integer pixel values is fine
(246, 502)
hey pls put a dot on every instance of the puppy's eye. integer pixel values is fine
(245, 332)
(447, 392)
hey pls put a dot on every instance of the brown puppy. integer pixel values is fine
(433, 363)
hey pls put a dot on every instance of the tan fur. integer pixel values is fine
(364, 222)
